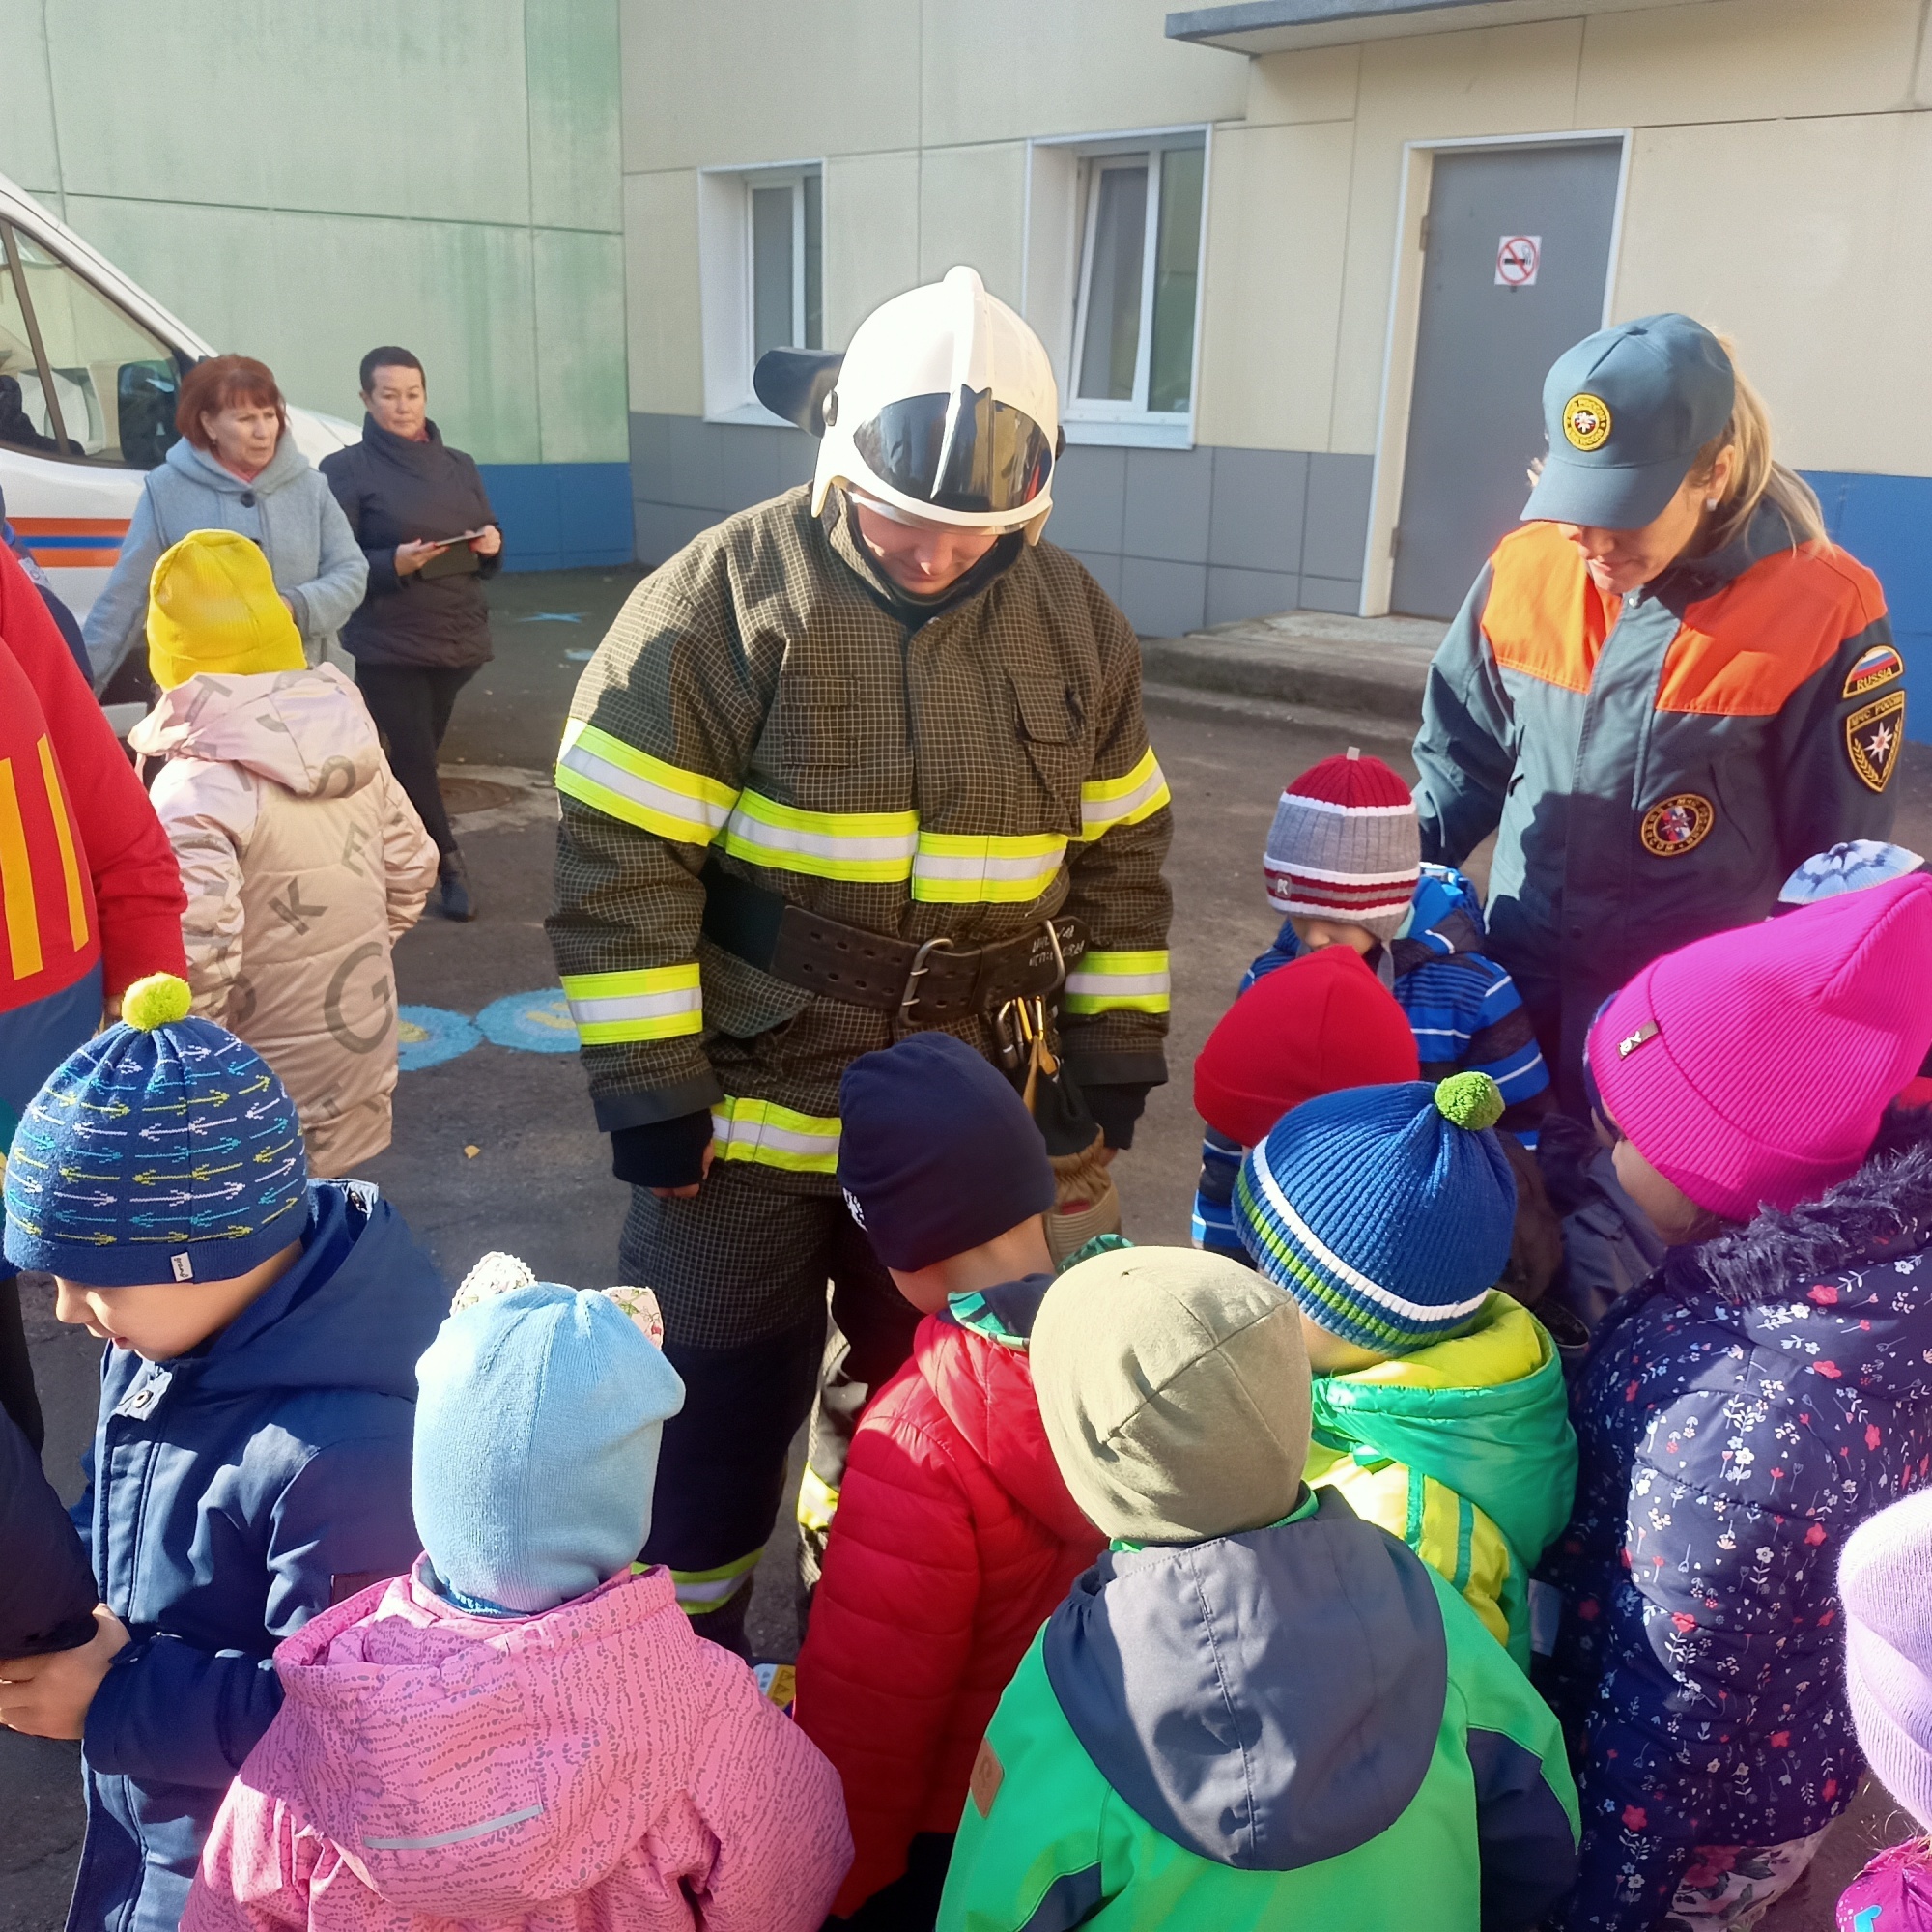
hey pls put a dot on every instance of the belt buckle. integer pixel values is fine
(909, 999)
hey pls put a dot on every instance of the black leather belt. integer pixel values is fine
(932, 983)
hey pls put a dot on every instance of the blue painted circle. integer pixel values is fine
(428, 1035)
(533, 1022)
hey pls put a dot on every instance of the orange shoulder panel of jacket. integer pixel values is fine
(1743, 651)
(1544, 618)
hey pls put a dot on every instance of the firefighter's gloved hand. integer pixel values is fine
(666, 1154)
(1117, 1109)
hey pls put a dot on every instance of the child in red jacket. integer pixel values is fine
(955, 1536)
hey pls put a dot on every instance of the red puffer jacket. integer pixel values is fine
(954, 1541)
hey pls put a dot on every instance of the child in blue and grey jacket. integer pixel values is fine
(251, 1456)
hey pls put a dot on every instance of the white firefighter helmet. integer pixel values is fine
(944, 409)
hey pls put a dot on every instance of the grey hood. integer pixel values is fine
(1266, 1700)
(199, 466)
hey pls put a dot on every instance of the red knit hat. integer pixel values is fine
(1321, 1022)
(1345, 845)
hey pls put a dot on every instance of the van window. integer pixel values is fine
(79, 377)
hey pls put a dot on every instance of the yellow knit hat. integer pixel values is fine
(213, 607)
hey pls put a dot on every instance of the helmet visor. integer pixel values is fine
(963, 453)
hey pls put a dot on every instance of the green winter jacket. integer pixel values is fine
(1297, 1726)
(1464, 1451)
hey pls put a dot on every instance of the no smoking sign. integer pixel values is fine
(1518, 258)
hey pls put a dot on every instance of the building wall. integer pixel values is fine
(1779, 187)
(300, 183)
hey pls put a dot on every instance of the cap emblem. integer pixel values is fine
(1630, 1042)
(1586, 422)
(1677, 825)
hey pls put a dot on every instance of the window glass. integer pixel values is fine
(814, 262)
(771, 269)
(1176, 273)
(24, 422)
(113, 382)
(1110, 347)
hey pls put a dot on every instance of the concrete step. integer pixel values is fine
(1307, 659)
(1350, 727)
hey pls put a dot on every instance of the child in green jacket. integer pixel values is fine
(1440, 1408)
(1256, 1709)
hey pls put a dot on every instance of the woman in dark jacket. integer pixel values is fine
(423, 518)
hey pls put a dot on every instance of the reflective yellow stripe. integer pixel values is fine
(1131, 981)
(817, 1502)
(623, 783)
(700, 1590)
(76, 903)
(861, 845)
(971, 869)
(1138, 794)
(653, 1003)
(16, 881)
(761, 1130)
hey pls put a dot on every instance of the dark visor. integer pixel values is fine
(996, 459)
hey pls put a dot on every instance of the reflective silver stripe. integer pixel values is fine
(637, 1006)
(1120, 984)
(461, 1835)
(983, 866)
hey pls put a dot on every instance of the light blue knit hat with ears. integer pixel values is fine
(538, 1419)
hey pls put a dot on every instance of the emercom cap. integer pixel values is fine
(1628, 410)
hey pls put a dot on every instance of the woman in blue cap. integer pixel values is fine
(1667, 689)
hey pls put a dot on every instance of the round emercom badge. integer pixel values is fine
(428, 1035)
(1677, 825)
(533, 1022)
(1586, 422)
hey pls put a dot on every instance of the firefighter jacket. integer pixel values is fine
(1655, 765)
(763, 702)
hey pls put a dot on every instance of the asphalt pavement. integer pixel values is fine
(495, 1145)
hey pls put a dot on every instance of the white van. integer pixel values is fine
(89, 366)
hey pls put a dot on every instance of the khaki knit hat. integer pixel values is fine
(1173, 1387)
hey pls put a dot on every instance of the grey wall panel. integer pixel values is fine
(1342, 595)
(1234, 594)
(697, 463)
(1261, 498)
(650, 457)
(1338, 517)
(1104, 564)
(1170, 504)
(1089, 488)
(665, 528)
(1163, 599)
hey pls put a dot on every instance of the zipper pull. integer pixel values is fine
(144, 1398)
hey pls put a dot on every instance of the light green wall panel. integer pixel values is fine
(580, 329)
(571, 51)
(28, 150)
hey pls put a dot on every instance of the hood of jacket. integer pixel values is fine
(307, 730)
(1184, 1671)
(469, 1767)
(199, 466)
(1486, 1413)
(1444, 918)
(974, 1359)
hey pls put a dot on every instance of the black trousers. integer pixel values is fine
(18, 1396)
(410, 705)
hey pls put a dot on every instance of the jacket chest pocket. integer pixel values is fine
(809, 725)
(1051, 726)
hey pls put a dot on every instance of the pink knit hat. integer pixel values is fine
(1751, 1067)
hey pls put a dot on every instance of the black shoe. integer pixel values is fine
(455, 882)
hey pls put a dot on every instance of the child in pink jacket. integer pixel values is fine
(523, 1732)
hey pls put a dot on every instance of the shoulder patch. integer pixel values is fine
(989, 1775)
(1676, 825)
(1879, 664)
(1873, 734)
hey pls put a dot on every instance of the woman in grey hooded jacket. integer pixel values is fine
(236, 467)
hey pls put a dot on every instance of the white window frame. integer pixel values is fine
(727, 280)
(1055, 293)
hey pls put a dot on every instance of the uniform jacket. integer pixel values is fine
(1740, 1415)
(46, 1590)
(394, 491)
(1654, 766)
(1462, 1006)
(954, 1539)
(1299, 1726)
(303, 861)
(236, 1492)
(287, 510)
(600, 1766)
(763, 701)
(1465, 1450)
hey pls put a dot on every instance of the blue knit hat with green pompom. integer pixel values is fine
(1384, 1212)
(164, 1150)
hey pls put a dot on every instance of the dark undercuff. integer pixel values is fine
(666, 1154)
(1105, 1066)
(1117, 1108)
(698, 1093)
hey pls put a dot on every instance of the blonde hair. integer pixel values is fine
(1758, 477)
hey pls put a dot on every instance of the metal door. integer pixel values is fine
(1514, 265)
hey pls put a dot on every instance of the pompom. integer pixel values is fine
(158, 1001)
(1472, 1101)
(496, 1273)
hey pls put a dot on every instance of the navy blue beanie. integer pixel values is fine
(937, 1152)
(164, 1150)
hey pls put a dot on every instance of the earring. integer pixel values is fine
(1710, 503)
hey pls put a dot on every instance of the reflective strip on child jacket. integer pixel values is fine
(654, 1002)
(1103, 981)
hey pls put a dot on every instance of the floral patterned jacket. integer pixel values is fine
(1741, 1412)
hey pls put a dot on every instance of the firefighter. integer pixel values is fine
(864, 759)
(1666, 690)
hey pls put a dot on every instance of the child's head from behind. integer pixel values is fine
(1343, 853)
(539, 1414)
(1174, 1390)
(158, 1175)
(1383, 1212)
(1752, 1068)
(943, 1167)
(1317, 1024)
(213, 607)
